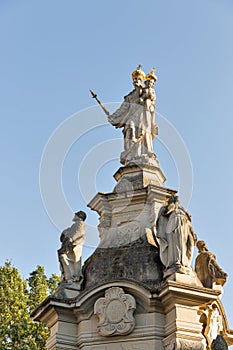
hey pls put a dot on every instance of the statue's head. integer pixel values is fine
(138, 76)
(173, 199)
(150, 78)
(149, 83)
(81, 215)
(137, 82)
(201, 246)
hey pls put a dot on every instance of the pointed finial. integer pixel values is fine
(93, 94)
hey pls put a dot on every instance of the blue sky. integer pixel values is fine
(53, 52)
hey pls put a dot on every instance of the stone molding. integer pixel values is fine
(184, 344)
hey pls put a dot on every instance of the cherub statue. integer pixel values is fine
(148, 99)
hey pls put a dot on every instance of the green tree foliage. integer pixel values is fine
(18, 297)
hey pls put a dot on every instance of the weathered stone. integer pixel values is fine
(125, 216)
(138, 175)
(183, 344)
(138, 262)
(187, 277)
(219, 343)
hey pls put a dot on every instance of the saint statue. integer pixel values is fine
(207, 269)
(176, 238)
(70, 253)
(136, 117)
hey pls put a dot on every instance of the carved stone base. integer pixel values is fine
(185, 344)
(70, 293)
(136, 176)
(124, 315)
(191, 278)
(146, 159)
(179, 269)
(182, 302)
(219, 288)
(125, 303)
(68, 290)
(125, 215)
(117, 261)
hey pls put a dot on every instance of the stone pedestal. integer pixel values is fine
(125, 303)
(137, 176)
(61, 321)
(182, 304)
(170, 318)
(132, 207)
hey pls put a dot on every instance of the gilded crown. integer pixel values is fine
(138, 73)
(151, 75)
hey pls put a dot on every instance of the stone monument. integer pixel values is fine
(138, 290)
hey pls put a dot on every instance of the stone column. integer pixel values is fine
(62, 323)
(182, 303)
